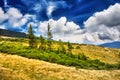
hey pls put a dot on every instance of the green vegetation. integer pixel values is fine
(31, 37)
(14, 39)
(77, 47)
(13, 67)
(70, 48)
(61, 48)
(63, 54)
(78, 61)
(42, 43)
(49, 36)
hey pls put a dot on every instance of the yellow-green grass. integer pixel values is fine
(13, 67)
(107, 55)
(104, 54)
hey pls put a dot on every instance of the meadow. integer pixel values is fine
(78, 60)
(18, 61)
(13, 67)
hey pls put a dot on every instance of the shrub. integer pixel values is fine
(77, 47)
(82, 57)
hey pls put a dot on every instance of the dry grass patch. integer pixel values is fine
(14, 67)
(107, 55)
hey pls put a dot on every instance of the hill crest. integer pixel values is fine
(8, 33)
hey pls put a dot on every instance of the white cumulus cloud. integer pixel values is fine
(102, 27)
(14, 18)
(62, 29)
(105, 24)
(3, 16)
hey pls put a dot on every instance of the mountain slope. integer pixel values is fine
(104, 54)
(14, 67)
(4, 32)
(115, 44)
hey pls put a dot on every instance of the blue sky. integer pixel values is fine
(81, 21)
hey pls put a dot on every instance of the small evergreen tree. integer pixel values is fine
(31, 37)
(0, 38)
(77, 47)
(49, 35)
(69, 48)
(61, 48)
(42, 43)
(64, 50)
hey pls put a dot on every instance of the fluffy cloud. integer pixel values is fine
(109, 17)
(37, 8)
(102, 27)
(105, 24)
(3, 16)
(50, 9)
(53, 5)
(14, 18)
(47, 6)
(13, 12)
(62, 29)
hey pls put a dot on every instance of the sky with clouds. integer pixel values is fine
(81, 21)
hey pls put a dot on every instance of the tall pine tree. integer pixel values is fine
(49, 36)
(31, 37)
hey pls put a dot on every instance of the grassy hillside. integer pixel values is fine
(14, 67)
(78, 60)
(104, 54)
(107, 55)
(4, 32)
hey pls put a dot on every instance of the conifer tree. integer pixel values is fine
(42, 43)
(0, 38)
(69, 48)
(49, 36)
(61, 48)
(31, 37)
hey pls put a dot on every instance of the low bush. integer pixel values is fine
(77, 47)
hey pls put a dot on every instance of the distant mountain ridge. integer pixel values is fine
(115, 44)
(4, 32)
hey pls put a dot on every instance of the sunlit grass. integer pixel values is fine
(14, 67)
(107, 55)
